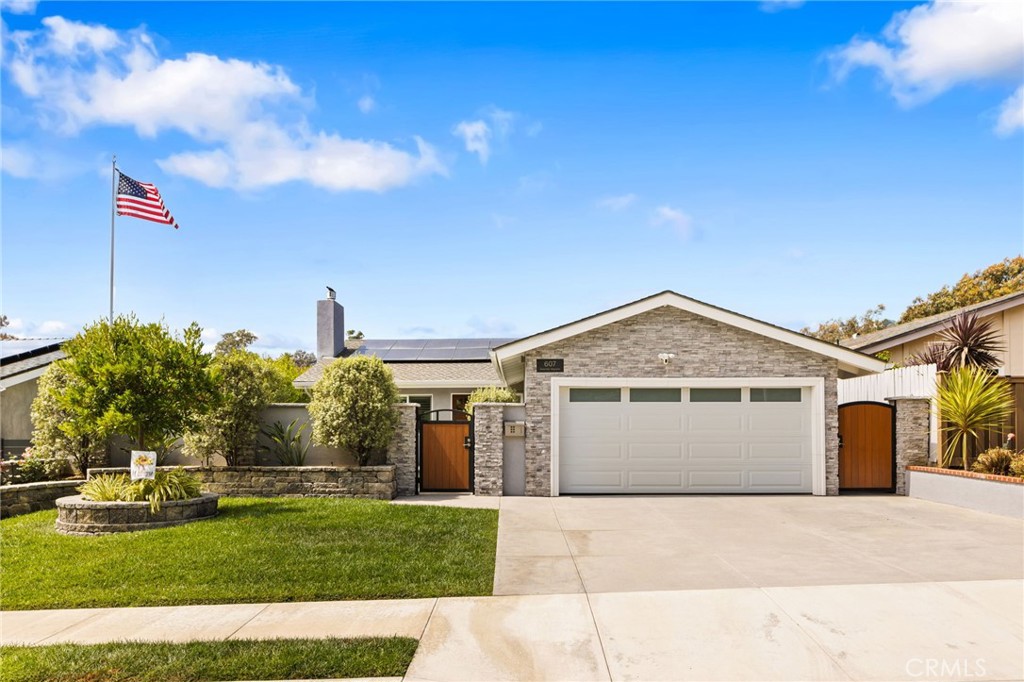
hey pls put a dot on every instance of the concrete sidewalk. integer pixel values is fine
(971, 630)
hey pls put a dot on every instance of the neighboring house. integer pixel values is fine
(436, 374)
(1006, 315)
(663, 395)
(22, 362)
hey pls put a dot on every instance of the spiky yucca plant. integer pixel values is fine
(970, 400)
(966, 341)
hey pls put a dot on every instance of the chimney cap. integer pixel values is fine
(331, 294)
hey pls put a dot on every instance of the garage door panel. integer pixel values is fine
(710, 422)
(777, 479)
(679, 447)
(655, 451)
(794, 451)
(715, 479)
(715, 452)
(655, 479)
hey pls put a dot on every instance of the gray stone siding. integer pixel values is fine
(488, 448)
(76, 516)
(23, 498)
(913, 430)
(702, 347)
(372, 482)
(402, 451)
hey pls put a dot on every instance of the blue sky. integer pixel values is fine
(494, 170)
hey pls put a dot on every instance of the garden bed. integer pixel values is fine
(78, 516)
(1003, 495)
(369, 482)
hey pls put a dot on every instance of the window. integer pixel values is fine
(715, 395)
(595, 395)
(459, 406)
(424, 404)
(775, 395)
(655, 395)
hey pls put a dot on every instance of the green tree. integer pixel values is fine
(835, 330)
(133, 379)
(491, 394)
(57, 433)
(285, 370)
(244, 386)
(303, 359)
(240, 339)
(1004, 277)
(4, 336)
(353, 406)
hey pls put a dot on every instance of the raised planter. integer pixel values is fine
(370, 482)
(23, 498)
(1003, 495)
(76, 516)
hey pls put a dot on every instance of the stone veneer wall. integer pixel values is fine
(23, 498)
(402, 451)
(913, 432)
(488, 448)
(372, 482)
(702, 347)
(76, 516)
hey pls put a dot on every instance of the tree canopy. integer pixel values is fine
(835, 330)
(1005, 277)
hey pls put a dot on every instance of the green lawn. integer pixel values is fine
(275, 659)
(256, 550)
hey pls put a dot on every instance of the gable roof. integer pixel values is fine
(22, 360)
(854, 362)
(926, 326)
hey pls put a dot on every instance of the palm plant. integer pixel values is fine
(965, 342)
(970, 401)
(286, 442)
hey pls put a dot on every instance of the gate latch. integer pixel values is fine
(467, 443)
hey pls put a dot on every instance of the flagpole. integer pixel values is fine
(113, 213)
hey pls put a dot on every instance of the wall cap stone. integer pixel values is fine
(1012, 480)
(41, 485)
(909, 397)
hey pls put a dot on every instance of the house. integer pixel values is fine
(22, 362)
(1005, 314)
(436, 374)
(662, 395)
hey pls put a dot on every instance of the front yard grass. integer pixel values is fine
(275, 659)
(256, 550)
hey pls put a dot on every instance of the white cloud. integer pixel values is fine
(617, 203)
(679, 221)
(1011, 114)
(494, 124)
(366, 104)
(773, 6)
(20, 161)
(248, 114)
(18, 6)
(931, 48)
(477, 137)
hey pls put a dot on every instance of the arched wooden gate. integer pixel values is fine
(867, 447)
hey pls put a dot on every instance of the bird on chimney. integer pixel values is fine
(331, 293)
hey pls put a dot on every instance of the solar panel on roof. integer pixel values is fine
(471, 354)
(437, 355)
(400, 354)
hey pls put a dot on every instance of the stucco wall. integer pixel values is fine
(441, 398)
(1007, 324)
(15, 410)
(703, 348)
(1003, 497)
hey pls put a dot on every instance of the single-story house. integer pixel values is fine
(662, 395)
(22, 362)
(1005, 314)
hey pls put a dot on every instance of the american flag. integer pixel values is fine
(141, 200)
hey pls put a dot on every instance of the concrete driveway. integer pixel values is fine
(622, 544)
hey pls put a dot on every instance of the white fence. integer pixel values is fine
(918, 380)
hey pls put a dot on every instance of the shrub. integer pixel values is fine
(491, 394)
(58, 433)
(242, 389)
(970, 400)
(176, 484)
(994, 461)
(32, 466)
(353, 406)
(1017, 465)
(286, 442)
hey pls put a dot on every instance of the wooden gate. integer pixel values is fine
(445, 452)
(867, 458)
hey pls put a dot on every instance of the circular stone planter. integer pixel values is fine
(76, 516)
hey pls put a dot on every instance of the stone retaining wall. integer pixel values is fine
(371, 482)
(76, 516)
(23, 498)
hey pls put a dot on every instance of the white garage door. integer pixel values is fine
(685, 440)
